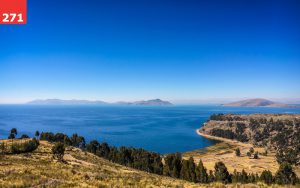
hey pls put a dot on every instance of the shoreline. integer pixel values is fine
(224, 150)
(235, 142)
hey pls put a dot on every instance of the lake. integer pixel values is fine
(160, 129)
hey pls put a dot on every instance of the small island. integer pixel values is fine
(256, 103)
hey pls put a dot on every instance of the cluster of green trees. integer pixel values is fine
(224, 117)
(128, 156)
(227, 133)
(75, 140)
(18, 147)
(24, 147)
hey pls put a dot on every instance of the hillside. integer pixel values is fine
(35, 166)
(256, 103)
(79, 169)
(276, 134)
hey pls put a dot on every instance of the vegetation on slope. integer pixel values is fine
(172, 165)
(78, 169)
(280, 133)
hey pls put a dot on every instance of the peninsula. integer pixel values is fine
(273, 138)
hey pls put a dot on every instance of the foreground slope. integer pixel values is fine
(80, 169)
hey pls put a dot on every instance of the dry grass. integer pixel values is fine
(81, 169)
(225, 152)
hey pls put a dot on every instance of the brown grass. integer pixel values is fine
(225, 152)
(81, 169)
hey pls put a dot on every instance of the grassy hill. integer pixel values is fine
(83, 169)
(79, 169)
(225, 152)
(276, 134)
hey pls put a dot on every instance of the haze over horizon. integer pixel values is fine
(180, 51)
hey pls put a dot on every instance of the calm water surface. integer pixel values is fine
(159, 129)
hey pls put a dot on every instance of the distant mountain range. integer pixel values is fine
(153, 102)
(257, 103)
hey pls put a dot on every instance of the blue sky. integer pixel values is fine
(140, 49)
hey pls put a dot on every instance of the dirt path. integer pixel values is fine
(69, 158)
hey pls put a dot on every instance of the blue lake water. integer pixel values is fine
(160, 129)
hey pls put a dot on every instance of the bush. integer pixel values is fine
(255, 156)
(248, 154)
(24, 136)
(58, 151)
(221, 173)
(28, 146)
(266, 177)
(31, 145)
(238, 152)
(285, 174)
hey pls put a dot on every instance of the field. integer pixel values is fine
(225, 152)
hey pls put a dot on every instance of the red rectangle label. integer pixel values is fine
(13, 11)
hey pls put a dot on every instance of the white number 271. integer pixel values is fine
(11, 17)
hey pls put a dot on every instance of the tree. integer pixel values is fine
(238, 152)
(58, 151)
(184, 172)
(255, 156)
(236, 176)
(252, 178)
(290, 155)
(266, 177)
(77, 141)
(24, 136)
(244, 177)
(93, 146)
(221, 173)
(285, 174)
(14, 131)
(192, 169)
(11, 136)
(248, 154)
(211, 177)
(2, 148)
(187, 171)
(37, 134)
(201, 174)
(173, 165)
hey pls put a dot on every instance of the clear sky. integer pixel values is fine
(141, 49)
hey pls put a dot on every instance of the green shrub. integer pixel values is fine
(58, 151)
